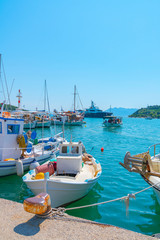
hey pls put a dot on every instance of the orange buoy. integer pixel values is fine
(102, 149)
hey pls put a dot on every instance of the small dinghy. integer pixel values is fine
(70, 176)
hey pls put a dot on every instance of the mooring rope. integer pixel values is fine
(131, 195)
(60, 211)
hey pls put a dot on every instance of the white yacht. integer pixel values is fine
(95, 112)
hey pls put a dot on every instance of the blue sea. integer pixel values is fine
(136, 135)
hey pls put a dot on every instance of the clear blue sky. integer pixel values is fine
(109, 49)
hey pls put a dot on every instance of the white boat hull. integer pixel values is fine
(61, 193)
(29, 125)
(78, 123)
(152, 181)
(43, 124)
(9, 167)
(112, 124)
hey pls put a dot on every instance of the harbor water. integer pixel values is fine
(136, 135)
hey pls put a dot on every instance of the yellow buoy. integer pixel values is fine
(39, 175)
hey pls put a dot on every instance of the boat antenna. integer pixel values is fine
(71, 139)
(91, 149)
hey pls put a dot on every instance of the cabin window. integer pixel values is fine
(75, 149)
(13, 129)
(65, 149)
(0, 127)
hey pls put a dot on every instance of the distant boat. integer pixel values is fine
(112, 121)
(95, 112)
(69, 118)
(148, 118)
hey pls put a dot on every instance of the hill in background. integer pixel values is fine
(122, 112)
(150, 111)
(8, 107)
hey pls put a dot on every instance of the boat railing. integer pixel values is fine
(58, 134)
(153, 146)
(31, 148)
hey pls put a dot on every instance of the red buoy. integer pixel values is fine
(102, 149)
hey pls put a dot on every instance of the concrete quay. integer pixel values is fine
(15, 223)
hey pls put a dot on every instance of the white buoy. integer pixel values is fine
(19, 167)
(33, 165)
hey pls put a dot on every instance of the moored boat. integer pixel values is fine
(95, 112)
(74, 176)
(29, 125)
(112, 121)
(147, 166)
(68, 119)
(15, 148)
(42, 120)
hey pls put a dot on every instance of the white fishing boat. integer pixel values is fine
(68, 119)
(147, 166)
(16, 152)
(74, 176)
(43, 123)
(30, 124)
(149, 118)
(112, 121)
(42, 119)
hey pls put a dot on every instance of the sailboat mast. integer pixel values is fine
(0, 64)
(1, 76)
(45, 95)
(74, 97)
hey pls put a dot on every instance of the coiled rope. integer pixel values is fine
(61, 211)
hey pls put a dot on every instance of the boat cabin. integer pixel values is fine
(10, 128)
(69, 160)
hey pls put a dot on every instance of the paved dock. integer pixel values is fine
(15, 223)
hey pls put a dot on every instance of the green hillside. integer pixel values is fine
(150, 111)
(8, 107)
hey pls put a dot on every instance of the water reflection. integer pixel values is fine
(90, 213)
(13, 188)
(152, 217)
(113, 129)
